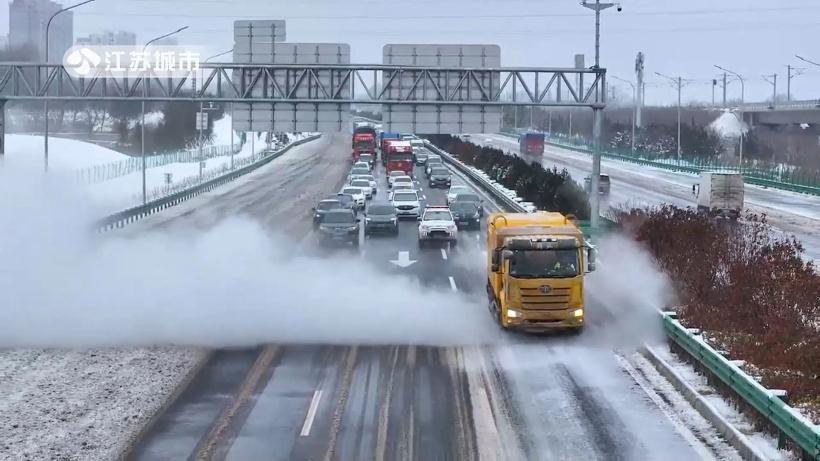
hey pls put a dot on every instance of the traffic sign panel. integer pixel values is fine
(431, 85)
(299, 84)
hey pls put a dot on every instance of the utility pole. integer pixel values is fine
(789, 77)
(678, 81)
(595, 217)
(773, 82)
(641, 90)
(724, 90)
(740, 116)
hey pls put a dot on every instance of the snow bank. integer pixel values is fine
(63, 154)
(728, 125)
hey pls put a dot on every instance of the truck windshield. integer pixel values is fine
(364, 144)
(535, 264)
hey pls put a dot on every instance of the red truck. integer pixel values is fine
(363, 143)
(398, 156)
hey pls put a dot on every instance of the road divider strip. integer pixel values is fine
(792, 430)
(125, 217)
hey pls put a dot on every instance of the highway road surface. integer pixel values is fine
(797, 214)
(532, 398)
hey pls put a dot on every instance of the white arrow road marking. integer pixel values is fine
(403, 259)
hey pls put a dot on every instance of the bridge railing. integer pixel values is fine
(785, 105)
(786, 177)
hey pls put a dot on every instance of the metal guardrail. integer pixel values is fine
(123, 218)
(810, 104)
(686, 169)
(789, 423)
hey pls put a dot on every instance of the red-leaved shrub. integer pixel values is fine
(747, 287)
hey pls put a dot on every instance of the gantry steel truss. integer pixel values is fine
(330, 84)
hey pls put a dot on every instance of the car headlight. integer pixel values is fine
(394, 220)
(351, 229)
(577, 313)
(317, 215)
(366, 219)
(424, 228)
(451, 228)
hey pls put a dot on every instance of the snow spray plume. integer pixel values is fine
(232, 285)
(624, 296)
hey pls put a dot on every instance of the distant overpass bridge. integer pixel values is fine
(782, 113)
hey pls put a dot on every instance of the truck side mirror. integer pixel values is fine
(591, 267)
(496, 256)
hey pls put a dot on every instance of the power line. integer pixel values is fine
(433, 16)
(415, 32)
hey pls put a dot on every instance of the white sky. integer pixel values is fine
(751, 37)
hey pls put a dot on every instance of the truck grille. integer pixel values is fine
(533, 300)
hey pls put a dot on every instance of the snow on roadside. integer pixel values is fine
(67, 418)
(765, 442)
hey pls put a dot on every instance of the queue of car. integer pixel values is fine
(337, 218)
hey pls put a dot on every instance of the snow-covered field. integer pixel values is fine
(78, 404)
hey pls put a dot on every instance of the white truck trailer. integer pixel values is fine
(720, 194)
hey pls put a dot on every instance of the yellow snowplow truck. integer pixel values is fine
(536, 266)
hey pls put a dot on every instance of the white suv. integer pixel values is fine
(406, 203)
(437, 225)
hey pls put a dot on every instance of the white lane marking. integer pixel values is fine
(311, 414)
(443, 253)
(423, 197)
(453, 283)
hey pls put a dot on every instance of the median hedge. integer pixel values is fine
(746, 288)
(547, 189)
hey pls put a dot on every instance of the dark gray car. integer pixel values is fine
(440, 177)
(347, 201)
(323, 207)
(470, 198)
(466, 215)
(339, 226)
(381, 217)
(420, 157)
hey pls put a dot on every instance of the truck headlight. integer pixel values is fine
(513, 314)
(577, 313)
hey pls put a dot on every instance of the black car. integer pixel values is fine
(431, 163)
(381, 217)
(470, 198)
(466, 215)
(323, 207)
(440, 177)
(339, 226)
(347, 201)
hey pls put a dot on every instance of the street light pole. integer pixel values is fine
(634, 109)
(48, 27)
(142, 124)
(679, 82)
(740, 110)
(595, 179)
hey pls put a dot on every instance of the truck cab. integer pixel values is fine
(536, 264)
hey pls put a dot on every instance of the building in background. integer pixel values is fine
(108, 37)
(4, 41)
(27, 28)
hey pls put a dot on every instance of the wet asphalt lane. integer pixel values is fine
(531, 398)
